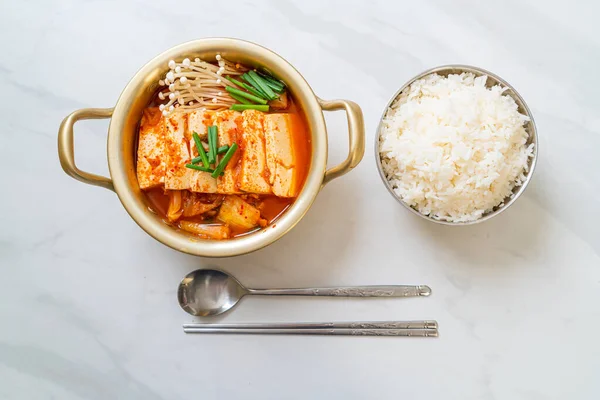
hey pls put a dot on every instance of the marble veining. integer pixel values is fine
(87, 299)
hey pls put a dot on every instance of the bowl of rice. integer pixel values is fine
(456, 145)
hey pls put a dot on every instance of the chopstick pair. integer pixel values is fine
(380, 328)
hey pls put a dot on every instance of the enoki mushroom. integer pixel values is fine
(195, 84)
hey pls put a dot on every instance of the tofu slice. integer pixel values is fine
(264, 163)
(253, 176)
(280, 154)
(199, 121)
(229, 127)
(151, 157)
(178, 177)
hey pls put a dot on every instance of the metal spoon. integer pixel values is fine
(206, 292)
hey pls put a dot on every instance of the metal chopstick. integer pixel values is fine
(348, 332)
(428, 324)
(391, 328)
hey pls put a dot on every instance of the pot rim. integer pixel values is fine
(179, 240)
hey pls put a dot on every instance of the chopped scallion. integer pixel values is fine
(199, 168)
(271, 78)
(200, 148)
(222, 149)
(248, 96)
(274, 83)
(255, 85)
(215, 143)
(249, 88)
(254, 91)
(211, 154)
(275, 88)
(242, 107)
(240, 99)
(235, 81)
(224, 161)
(263, 86)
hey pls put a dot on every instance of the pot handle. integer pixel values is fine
(356, 132)
(66, 152)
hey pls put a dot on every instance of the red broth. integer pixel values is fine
(271, 207)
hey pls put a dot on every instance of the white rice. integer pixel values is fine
(452, 148)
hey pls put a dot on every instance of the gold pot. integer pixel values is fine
(122, 133)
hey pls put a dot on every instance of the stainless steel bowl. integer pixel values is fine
(493, 80)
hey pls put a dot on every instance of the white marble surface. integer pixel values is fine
(87, 300)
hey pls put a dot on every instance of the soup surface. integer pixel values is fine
(219, 155)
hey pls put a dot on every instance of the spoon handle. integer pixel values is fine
(334, 331)
(352, 291)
